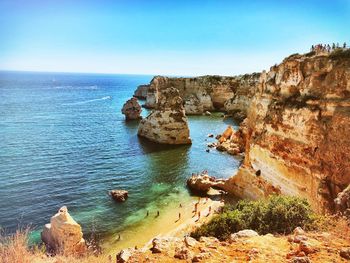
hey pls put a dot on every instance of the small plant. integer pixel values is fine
(277, 214)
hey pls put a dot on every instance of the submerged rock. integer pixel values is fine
(132, 109)
(63, 234)
(119, 195)
(167, 123)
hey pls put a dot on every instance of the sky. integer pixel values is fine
(179, 37)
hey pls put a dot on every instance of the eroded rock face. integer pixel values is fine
(167, 123)
(132, 109)
(63, 234)
(141, 92)
(207, 93)
(203, 182)
(298, 126)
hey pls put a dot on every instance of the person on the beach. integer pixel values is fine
(199, 215)
(157, 213)
(118, 237)
(179, 216)
(180, 205)
(147, 213)
(195, 207)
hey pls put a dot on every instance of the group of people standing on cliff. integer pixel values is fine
(326, 47)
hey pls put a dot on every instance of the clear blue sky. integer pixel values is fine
(164, 37)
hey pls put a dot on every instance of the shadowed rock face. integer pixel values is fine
(167, 123)
(207, 93)
(63, 234)
(298, 127)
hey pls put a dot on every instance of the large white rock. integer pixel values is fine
(63, 234)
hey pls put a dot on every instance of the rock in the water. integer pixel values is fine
(203, 182)
(207, 113)
(119, 195)
(63, 234)
(132, 109)
(167, 124)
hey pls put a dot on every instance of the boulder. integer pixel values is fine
(203, 182)
(124, 255)
(63, 234)
(119, 195)
(244, 233)
(132, 109)
(345, 253)
(167, 123)
(183, 253)
(190, 241)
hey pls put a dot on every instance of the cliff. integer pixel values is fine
(208, 93)
(298, 127)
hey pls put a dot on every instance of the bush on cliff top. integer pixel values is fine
(277, 214)
(340, 53)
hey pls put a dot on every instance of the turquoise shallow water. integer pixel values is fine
(64, 141)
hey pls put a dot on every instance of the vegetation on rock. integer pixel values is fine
(277, 214)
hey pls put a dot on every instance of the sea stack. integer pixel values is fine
(167, 124)
(132, 109)
(63, 234)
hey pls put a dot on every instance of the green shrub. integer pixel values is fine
(340, 53)
(277, 214)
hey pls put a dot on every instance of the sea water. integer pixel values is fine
(64, 141)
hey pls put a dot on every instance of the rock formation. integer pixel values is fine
(119, 195)
(298, 126)
(167, 123)
(63, 234)
(231, 141)
(141, 92)
(208, 93)
(244, 184)
(132, 109)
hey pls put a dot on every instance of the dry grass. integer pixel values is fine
(14, 249)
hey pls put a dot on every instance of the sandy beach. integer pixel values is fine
(166, 224)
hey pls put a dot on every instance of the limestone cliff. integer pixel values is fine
(141, 92)
(207, 93)
(167, 123)
(299, 125)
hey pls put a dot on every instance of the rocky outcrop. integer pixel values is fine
(207, 93)
(245, 89)
(298, 126)
(231, 141)
(245, 184)
(63, 234)
(119, 195)
(132, 109)
(141, 92)
(167, 123)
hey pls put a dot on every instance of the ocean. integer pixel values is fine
(64, 141)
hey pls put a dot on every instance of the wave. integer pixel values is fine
(91, 87)
(88, 101)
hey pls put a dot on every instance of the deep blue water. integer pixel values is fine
(64, 141)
